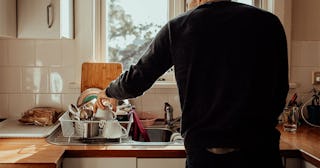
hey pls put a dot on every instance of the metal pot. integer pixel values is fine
(87, 129)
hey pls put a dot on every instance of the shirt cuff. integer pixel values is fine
(107, 92)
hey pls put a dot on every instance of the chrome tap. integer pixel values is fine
(168, 113)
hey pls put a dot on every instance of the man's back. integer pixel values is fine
(231, 68)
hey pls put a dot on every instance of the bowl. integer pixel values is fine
(147, 118)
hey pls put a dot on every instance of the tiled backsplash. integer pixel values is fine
(45, 73)
(304, 60)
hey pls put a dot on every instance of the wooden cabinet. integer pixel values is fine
(125, 162)
(98, 162)
(161, 162)
(92, 162)
(306, 164)
(297, 163)
(45, 19)
(8, 18)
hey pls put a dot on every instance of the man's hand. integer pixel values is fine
(103, 101)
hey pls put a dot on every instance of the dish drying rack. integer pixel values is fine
(69, 129)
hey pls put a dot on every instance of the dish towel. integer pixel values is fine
(138, 128)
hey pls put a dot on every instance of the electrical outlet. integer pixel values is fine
(316, 78)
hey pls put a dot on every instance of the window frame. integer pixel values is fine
(176, 7)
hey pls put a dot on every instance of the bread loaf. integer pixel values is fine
(42, 116)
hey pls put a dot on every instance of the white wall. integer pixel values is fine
(305, 56)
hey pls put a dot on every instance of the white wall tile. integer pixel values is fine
(35, 80)
(21, 52)
(137, 102)
(154, 103)
(19, 103)
(48, 53)
(4, 108)
(52, 100)
(4, 60)
(11, 79)
(25, 66)
(60, 78)
(69, 99)
(303, 77)
(68, 53)
(305, 53)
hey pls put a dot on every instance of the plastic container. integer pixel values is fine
(147, 118)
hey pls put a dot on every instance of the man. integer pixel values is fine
(230, 62)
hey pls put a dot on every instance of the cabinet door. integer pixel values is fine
(8, 18)
(161, 163)
(306, 164)
(45, 19)
(99, 163)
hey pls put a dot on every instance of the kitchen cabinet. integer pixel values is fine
(45, 19)
(8, 18)
(161, 162)
(306, 164)
(297, 163)
(99, 162)
(125, 162)
(292, 163)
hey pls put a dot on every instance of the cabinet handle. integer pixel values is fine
(49, 13)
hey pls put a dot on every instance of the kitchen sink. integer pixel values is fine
(158, 134)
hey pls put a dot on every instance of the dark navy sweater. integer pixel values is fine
(231, 68)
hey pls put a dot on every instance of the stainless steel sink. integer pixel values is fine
(159, 135)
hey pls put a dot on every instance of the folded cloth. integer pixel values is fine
(138, 128)
(175, 137)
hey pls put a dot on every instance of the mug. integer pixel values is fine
(112, 129)
(105, 114)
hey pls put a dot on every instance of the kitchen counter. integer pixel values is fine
(37, 153)
(305, 144)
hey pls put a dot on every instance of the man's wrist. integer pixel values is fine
(106, 92)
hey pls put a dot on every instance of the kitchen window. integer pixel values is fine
(128, 26)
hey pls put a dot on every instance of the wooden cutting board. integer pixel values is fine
(98, 74)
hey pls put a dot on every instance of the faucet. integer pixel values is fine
(168, 113)
(168, 116)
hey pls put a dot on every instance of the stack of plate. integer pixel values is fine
(88, 95)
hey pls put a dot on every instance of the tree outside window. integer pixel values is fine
(127, 38)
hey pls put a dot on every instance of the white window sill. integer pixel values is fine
(164, 85)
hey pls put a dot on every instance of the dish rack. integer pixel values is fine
(74, 128)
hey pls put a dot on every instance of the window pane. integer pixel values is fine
(131, 25)
(249, 2)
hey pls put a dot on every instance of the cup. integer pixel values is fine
(105, 114)
(112, 129)
(291, 119)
